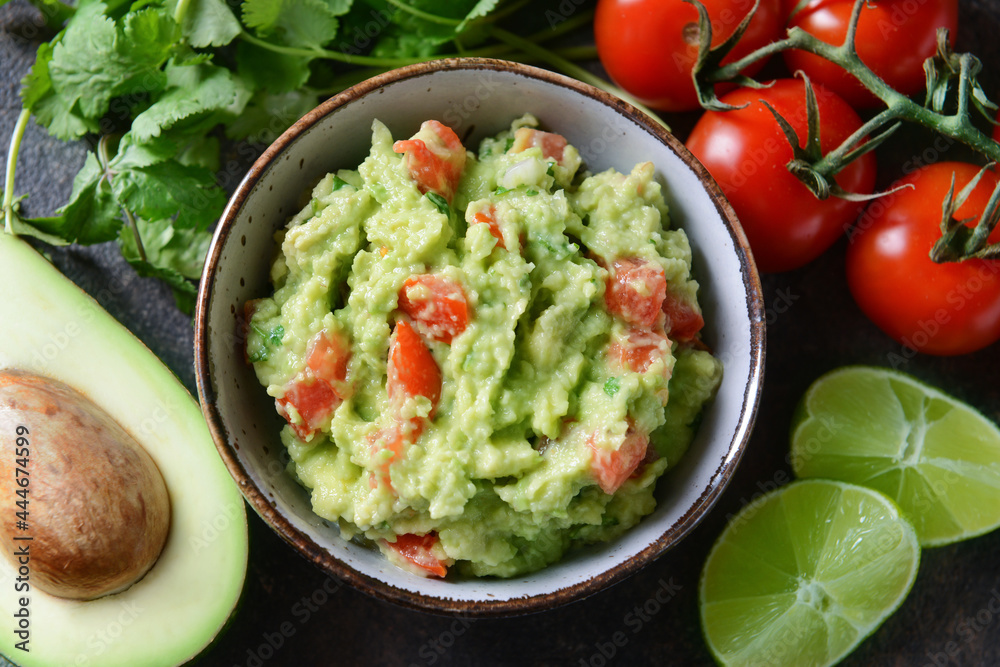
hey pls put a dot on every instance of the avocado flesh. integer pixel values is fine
(50, 327)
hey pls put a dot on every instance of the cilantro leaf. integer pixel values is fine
(205, 153)
(611, 386)
(274, 72)
(185, 291)
(308, 24)
(191, 90)
(172, 255)
(206, 23)
(268, 115)
(94, 62)
(23, 227)
(149, 36)
(37, 83)
(440, 202)
(132, 154)
(91, 216)
(51, 111)
(181, 250)
(481, 9)
(170, 190)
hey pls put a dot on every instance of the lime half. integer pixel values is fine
(937, 457)
(804, 574)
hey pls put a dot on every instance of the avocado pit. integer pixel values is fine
(96, 512)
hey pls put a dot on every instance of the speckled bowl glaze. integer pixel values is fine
(477, 98)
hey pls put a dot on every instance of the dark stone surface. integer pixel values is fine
(292, 615)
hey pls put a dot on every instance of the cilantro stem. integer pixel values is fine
(181, 10)
(535, 51)
(338, 56)
(135, 232)
(15, 147)
(570, 68)
(501, 13)
(104, 158)
(445, 20)
(356, 76)
(426, 16)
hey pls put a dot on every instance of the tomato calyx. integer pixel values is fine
(959, 241)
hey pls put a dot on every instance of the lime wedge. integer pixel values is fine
(804, 574)
(937, 457)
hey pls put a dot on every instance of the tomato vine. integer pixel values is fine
(953, 91)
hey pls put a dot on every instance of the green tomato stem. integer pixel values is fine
(899, 107)
(15, 147)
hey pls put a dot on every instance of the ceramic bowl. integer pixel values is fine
(477, 98)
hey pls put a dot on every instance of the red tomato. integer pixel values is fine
(894, 38)
(746, 152)
(642, 349)
(313, 400)
(412, 370)
(435, 158)
(943, 309)
(393, 439)
(552, 144)
(635, 290)
(649, 47)
(489, 217)
(420, 550)
(317, 390)
(437, 304)
(684, 320)
(612, 468)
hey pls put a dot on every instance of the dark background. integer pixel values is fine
(291, 614)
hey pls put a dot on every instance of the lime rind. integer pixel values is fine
(804, 574)
(937, 457)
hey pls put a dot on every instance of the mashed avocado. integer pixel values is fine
(474, 353)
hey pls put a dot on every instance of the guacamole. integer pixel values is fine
(483, 359)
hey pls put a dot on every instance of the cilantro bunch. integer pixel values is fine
(159, 87)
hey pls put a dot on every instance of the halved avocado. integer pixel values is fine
(51, 328)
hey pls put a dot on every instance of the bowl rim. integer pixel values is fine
(382, 590)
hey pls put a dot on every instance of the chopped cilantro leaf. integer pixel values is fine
(440, 202)
(612, 386)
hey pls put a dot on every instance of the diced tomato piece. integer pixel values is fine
(435, 158)
(393, 438)
(643, 348)
(635, 290)
(412, 370)
(683, 320)
(420, 550)
(651, 456)
(314, 400)
(317, 390)
(612, 468)
(328, 357)
(489, 217)
(436, 303)
(552, 144)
